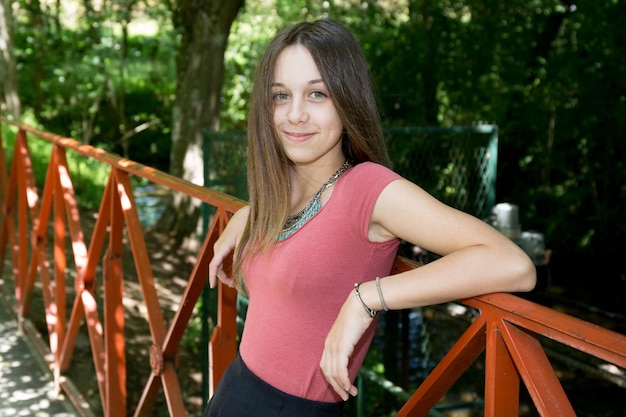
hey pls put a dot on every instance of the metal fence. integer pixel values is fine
(457, 164)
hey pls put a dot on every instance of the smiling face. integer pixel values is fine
(306, 120)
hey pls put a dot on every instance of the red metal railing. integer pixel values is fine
(506, 330)
(22, 205)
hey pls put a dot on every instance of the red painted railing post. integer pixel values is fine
(115, 356)
(501, 377)
(223, 344)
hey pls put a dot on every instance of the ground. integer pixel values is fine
(171, 268)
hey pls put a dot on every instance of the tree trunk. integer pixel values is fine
(9, 91)
(204, 26)
(38, 20)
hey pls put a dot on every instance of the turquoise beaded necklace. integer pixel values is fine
(298, 220)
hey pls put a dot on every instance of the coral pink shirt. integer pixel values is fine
(297, 289)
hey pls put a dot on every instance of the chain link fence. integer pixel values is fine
(457, 165)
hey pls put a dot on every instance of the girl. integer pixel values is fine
(314, 248)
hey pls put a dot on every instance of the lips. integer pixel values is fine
(298, 136)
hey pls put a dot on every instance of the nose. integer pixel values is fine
(298, 112)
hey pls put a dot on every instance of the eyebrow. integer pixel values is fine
(316, 81)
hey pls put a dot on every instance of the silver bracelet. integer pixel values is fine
(372, 313)
(380, 294)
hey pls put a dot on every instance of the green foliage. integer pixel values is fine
(88, 176)
(552, 77)
(8, 133)
(93, 85)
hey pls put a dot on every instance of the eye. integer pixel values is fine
(318, 94)
(280, 96)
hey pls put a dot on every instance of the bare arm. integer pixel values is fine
(476, 259)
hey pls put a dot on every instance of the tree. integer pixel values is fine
(9, 97)
(204, 26)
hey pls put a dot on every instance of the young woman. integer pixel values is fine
(314, 248)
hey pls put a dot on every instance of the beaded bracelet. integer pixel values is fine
(372, 313)
(380, 294)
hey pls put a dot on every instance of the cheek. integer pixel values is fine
(335, 121)
(277, 115)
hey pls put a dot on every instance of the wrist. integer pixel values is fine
(379, 290)
(363, 301)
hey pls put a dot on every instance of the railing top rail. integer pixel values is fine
(574, 332)
(209, 196)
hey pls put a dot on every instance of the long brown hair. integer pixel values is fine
(343, 68)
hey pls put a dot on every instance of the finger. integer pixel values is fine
(343, 389)
(343, 378)
(222, 276)
(215, 270)
(341, 392)
(212, 273)
(337, 376)
(227, 281)
(326, 366)
(338, 388)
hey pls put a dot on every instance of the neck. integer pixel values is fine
(295, 221)
(309, 186)
(309, 178)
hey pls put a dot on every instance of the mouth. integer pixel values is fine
(298, 136)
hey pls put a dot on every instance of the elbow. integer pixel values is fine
(526, 276)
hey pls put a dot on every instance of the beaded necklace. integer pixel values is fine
(296, 221)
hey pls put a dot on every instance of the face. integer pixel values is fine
(304, 114)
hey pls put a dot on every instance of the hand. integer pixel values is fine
(225, 245)
(349, 327)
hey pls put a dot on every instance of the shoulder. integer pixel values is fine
(362, 184)
(371, 171)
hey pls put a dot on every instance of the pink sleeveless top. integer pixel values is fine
(297, 289)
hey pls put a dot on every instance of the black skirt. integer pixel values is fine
(241, 393)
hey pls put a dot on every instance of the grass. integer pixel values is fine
(88, 176)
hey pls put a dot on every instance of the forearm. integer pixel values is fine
(472, 271)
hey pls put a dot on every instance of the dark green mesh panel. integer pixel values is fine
(457, 165)
(225, 163)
